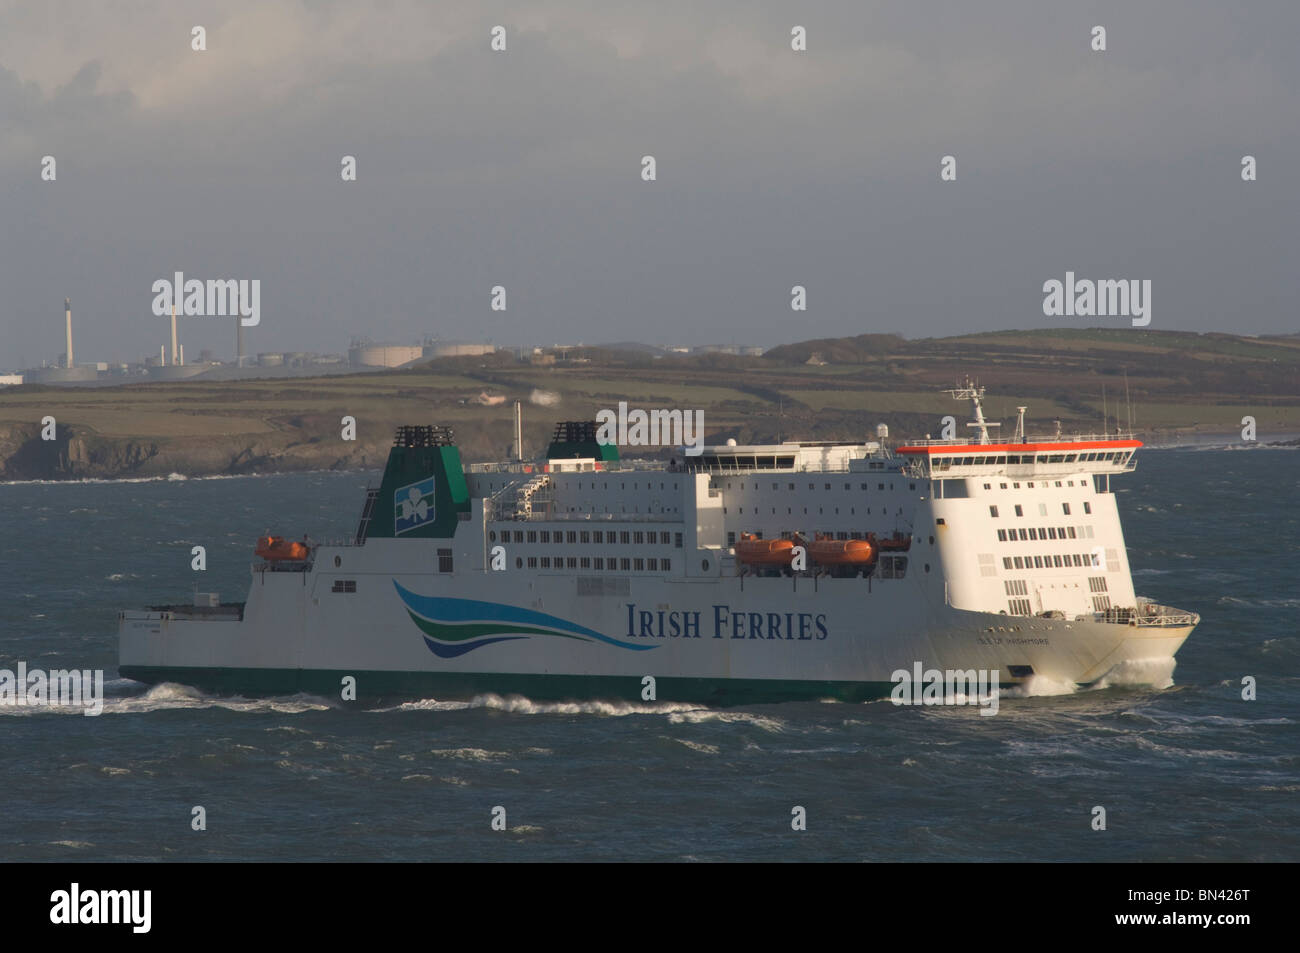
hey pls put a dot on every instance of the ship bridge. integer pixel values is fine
(1025, 457)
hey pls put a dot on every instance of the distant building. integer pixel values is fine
(383, 355)
(10, 380)
(436, 349)
(816, 360)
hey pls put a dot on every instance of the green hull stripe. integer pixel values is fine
(462, 686)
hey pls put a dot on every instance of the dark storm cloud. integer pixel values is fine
(521, 169)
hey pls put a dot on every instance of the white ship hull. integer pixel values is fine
(702, 640)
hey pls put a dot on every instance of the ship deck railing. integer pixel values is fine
(511, 517)
(1146, 614)
(1040, 439)
(683, 465)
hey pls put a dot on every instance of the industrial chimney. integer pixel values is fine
(519, 431)
(67, 316)
(175, 358)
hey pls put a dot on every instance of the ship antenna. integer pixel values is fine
(1105, 417)
(975, 394)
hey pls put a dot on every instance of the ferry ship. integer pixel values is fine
(795, 570)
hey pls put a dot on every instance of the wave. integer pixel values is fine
(1259, 603)
(168, 696)
(700, 715)
(1221, 447)
(1152, 673)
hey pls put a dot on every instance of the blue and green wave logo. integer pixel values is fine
(453, 627)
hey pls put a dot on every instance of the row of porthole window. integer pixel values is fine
(1030, 484)
(608, 564)
(847, 486)
(1042, 509)
(1034, 533)
(1054, 561)
(581, 537)
(884, 510)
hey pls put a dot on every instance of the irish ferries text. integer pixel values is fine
(725, 623)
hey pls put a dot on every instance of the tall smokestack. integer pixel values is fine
(67, 316)
(175, 356)
(519, 431)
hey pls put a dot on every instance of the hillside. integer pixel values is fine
(1177, 383)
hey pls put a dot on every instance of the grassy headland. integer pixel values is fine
(1178, 383)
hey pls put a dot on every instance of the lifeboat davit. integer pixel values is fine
(764, 552)
(898, 543)
(842, 552)
(277, 547)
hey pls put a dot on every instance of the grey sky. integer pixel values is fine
(522, 168)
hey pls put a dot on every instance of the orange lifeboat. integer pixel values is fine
(277, 547)
(764, 552)
(842, 552)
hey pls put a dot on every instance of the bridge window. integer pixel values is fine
(993, 510)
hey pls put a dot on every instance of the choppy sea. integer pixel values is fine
(1188, 772)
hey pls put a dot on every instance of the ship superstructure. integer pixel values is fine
(768, 572)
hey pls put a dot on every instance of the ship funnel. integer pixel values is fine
(423, 493)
